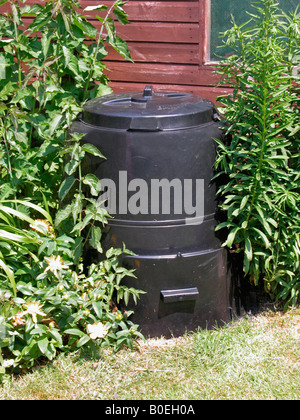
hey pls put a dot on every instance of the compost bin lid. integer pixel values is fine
(148, 111)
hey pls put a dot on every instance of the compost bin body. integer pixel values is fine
(160, 155)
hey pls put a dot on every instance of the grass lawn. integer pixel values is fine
(253, 358)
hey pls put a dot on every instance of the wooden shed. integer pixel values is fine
(169, 44)
(168, 41)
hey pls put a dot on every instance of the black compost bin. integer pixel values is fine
(157, 185)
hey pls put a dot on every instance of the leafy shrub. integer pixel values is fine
(49, 68)
(54, 306)
(49, 300)
(261, 155)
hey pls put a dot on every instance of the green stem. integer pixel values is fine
(263, 132)
(262, 154)
(18, 54)
(88, 235)
(9, 169)
(80, 186)
(9, 166)
(99, 40)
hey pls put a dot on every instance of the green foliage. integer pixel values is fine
(49, 68)
(15, 242)
(261, 155)
(49, 300)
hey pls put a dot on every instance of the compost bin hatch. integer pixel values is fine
(148, 111)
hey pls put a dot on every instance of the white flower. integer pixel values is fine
(8, 363)
(97, 330)
(33, 309)
(18, 319)
(43, 226)
(55, 264)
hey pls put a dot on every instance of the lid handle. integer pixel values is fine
(216, 116)
(148, 92)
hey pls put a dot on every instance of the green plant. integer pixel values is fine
(50, 301)
(261, 155)
(16, 244)
(49, 68)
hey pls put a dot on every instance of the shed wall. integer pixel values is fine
(167, 40)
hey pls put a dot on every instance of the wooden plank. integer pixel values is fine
(160, 73)
(153, 73)
(159, 53)
(150, 32)
(154, 11)
(157, 32)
